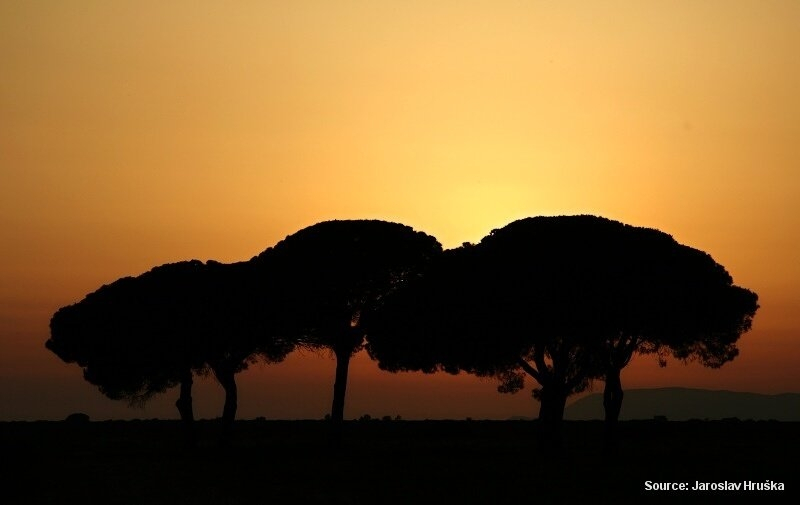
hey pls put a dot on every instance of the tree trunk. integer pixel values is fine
(559, 404)
(339, 390)
(184, 405)
(227, 379)
(612, 402)
(551, 416)
(553, 402)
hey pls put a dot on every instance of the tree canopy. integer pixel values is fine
(139, 336)
(563, 300)
(325, 277)
(135, 336)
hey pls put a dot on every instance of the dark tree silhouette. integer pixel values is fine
(503, 308)
(239, 328)
(124, 339)
(668, 298)
(140, 336)
(328, 275)
(633, 289)
(563, 300)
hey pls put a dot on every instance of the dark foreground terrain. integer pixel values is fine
(394, 462)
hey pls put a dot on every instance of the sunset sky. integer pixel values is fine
(136, 133)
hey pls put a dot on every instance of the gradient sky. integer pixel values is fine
(135, 133)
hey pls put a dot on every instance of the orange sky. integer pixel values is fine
(139, 133)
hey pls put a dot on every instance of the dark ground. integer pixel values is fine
(394, 462)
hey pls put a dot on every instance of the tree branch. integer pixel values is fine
(529, 370)
(628, 350)
(538, 359)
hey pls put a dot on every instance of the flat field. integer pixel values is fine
(393, 462)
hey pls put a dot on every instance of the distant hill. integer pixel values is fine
(680, 404)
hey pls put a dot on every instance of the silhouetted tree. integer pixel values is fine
(504, 308)
(327, 275)
(125, 338)
(563, 300)
(629, 289)
(139, 336)
(666, 298)
(239, 328)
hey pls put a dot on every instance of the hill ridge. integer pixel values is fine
(681, 403)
